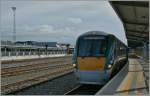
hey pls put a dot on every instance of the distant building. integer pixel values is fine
(62, 45)
(35, 43)
(6, 42)
(40, 44)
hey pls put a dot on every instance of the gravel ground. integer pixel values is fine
(10, 64)
(57, 86)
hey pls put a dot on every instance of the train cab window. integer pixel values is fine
(92, 46)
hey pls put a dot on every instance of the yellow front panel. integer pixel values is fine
(91, 63)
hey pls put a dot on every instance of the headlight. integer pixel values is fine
(109, 66)
(74, 65)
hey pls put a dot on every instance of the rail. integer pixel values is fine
(17, 75)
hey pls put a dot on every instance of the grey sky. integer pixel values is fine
(61, 21)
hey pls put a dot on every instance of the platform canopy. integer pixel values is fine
(135, 18)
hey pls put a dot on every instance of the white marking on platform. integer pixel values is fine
(30, 57)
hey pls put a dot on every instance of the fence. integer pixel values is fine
(31, 51)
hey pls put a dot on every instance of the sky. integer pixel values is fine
(60, 21)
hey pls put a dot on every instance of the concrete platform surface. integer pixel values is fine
(134, 82)
(30, 57)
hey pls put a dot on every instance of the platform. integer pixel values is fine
(8, 58)
(133, 83)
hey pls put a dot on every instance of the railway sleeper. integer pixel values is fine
(26, 83)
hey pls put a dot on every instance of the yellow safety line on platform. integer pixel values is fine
(126, 83)
(135, 68)
(133, 80)
(140, 82)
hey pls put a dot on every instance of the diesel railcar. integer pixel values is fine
(98, 56)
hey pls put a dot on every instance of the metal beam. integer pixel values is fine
(137, 36)
(132, 3)
(133, 44)
(128, 30)
(133, 40)
(137, 32)
(135, 23)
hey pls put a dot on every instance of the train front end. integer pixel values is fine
(90, 59)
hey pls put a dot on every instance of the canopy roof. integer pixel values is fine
(135, 18)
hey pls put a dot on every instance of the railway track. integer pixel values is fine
(10, 64)
(84, 90)
(12, 87)
(29, 68)
(37, 59)
(20, 75)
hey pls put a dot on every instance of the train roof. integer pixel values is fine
(95, 33)
(100, 33)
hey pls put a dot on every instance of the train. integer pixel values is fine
(98, 56)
